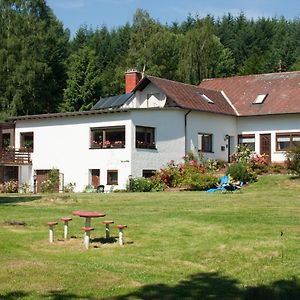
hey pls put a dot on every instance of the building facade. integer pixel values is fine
(159, 120)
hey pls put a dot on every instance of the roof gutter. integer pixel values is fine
(185, 132)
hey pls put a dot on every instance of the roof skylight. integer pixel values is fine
(260, 99)
(206, 98)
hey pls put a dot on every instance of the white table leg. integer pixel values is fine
(87, 224)
(121, 241)
(51, 234)
(65, 230)
(87, 239)
(107, 234)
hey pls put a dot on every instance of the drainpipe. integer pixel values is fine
(185, 132)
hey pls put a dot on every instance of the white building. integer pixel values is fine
(159, 120)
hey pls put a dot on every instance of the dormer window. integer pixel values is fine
(206, 98)
(260, 99)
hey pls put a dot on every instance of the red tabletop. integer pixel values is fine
(88, 214)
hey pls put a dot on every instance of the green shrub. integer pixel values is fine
(89, 189)
(171, 175)
(47, 186)
(120, 191)
(157, 185)
(200, 182)
(221, 164)
(293, 160)
(242, 155)
(241, 172)
(139, 185)
(277, 168)
(259, 163)
(11, 186)
(69, 187)
(53, 176)
(50, 185)
(24, 188)
(211, 164)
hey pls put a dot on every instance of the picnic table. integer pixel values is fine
(88, 215)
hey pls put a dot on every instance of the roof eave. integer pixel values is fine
(66, 114)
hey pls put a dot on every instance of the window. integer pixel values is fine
(284, 141)
(112, 177)
(27, 141)
(6, 141)
(205, 142)
(148, 173)
(108, 137)
(145, 137)
(10, 173)
(247, 140)
(260, 99)
(205, 98)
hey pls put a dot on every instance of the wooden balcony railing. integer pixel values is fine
(15, 156)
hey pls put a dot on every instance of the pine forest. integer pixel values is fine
(43, 69)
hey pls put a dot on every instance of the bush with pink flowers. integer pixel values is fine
(259, 163)
(191, 173)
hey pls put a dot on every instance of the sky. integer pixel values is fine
(114, 13)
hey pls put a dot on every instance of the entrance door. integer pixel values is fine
(230, 147)
(265, 145)
(95, 177)
(42, 175)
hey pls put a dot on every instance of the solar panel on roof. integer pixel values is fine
(112, 102)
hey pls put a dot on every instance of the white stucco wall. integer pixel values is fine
(64, 143)
(271, 125)
(169, 137)
(216, 124)
(142, 100)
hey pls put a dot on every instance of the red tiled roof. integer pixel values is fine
(189, 96)
(283, 91)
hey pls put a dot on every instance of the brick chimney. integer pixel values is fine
(132, 78)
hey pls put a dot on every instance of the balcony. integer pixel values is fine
(15, 157)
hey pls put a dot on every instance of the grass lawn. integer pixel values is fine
(181, 245)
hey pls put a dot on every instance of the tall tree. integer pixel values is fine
(84, 81)
(203, 55)
(142, 29)
(32, 56)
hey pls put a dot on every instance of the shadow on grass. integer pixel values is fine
(102, 240)
(14, 295)
(64, 295)
(53, 295)
(198, 286)
(13, 199)
(295, 177)
(215, 286)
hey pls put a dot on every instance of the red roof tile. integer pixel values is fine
(189, 96)
(283, 91)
